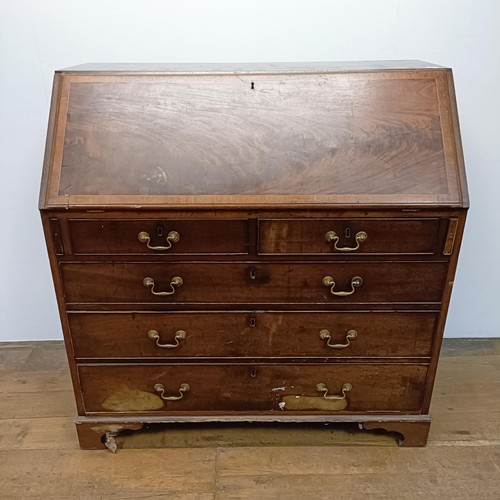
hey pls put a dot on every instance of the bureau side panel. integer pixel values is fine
(452, 267)
(52, 249)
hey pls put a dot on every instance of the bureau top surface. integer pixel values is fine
(265, 67)
(296, 134)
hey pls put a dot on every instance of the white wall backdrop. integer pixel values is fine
(37, 37)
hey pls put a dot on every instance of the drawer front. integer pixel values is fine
(158, 237)
(351, 236)
(252, 388)
(252, 334)
(247, 283)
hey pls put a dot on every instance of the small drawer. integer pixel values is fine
(224, 334)
(285, 388)
(158, 237)
(351, 236)
(254, 283)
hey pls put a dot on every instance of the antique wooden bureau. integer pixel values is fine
(270, 242)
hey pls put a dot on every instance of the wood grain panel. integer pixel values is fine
(251, 334)
(130, 389)
(285, 134)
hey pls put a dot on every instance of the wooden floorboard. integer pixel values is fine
(40, 458)
(178, 473)
(356, 472)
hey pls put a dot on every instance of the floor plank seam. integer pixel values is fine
(216, 472)
(475, 443)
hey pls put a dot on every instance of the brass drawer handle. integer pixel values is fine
(324, 389)
(325, 335)
(182, 389)
(360, 237)
(175, 282)
(356, 282)
(180, 335)
(172, 237)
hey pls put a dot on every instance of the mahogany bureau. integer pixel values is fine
(253, 242)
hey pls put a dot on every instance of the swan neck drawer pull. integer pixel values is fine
(160, 388)
(331, 236)
(172, 237)
(324, 389)
(356, 282)
(180, 335)
(176, 281)
(325, 335)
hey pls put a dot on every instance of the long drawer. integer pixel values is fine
(352, 236)
(254, 283)
(252, 388)
(252, 334)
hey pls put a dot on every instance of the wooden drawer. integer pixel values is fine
(251, 388)
(352, 236)
(253, 283)
(134, 237)
(252, 334)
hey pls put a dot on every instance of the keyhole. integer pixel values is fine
(253, 274)
(347, 232)
(253, 373)
(252, 86)
(159, 231)
(253, 322)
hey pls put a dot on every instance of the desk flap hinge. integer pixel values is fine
(450, 237)
(55, 229)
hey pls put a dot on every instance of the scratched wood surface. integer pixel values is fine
(39, 453)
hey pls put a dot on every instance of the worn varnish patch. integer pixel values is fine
(125, 399)
(292, 402)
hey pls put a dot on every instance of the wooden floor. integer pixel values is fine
(39, 454)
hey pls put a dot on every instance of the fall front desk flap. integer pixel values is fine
(310, 135)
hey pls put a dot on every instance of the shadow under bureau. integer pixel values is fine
(270, 242)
